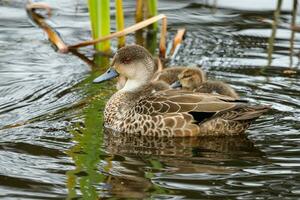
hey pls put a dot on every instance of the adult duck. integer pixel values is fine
(136, 109)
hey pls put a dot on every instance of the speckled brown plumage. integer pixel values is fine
(136, 109)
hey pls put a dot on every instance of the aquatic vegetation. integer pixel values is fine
(100, 22)
(120, 21)
(53, 36)
(56, 39)
(152, 11)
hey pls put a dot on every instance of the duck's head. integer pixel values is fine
(134, 63)
(190, 78)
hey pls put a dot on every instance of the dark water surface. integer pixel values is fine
(52, 145)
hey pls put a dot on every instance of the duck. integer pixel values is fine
(135, 109)
(184, 77)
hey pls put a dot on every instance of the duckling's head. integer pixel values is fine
(191, 78)
(134, 63)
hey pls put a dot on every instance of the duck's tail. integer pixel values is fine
(251, 112)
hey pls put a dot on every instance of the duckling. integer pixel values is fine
(192, 79)
(135, 109)
(218, 87)
(170, 74)
(159, 85)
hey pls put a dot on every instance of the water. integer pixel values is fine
(52, 144)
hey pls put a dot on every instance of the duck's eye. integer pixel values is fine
(126, 60)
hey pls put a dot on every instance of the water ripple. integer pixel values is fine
(45, 153)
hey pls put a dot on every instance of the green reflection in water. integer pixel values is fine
(156, 165)
(87, 152)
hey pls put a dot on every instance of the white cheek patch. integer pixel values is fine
(130, 71)
(137, 76)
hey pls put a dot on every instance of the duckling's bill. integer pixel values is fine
(176, 84)
(109, 74)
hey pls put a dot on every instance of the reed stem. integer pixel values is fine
(293, 23)
(120, 21)
(139, 16)
(274, 30)
(152, 11)
(139, 11)
(100, 22)
(126, 31)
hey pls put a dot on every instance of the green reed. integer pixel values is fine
(100, 22)
(152, 11)
(120, 20)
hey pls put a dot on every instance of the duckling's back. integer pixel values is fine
(218, 87)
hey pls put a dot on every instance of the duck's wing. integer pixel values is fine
(179, 101)
(190, 106)
(201, 106)
(188, 113)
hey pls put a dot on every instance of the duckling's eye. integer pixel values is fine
(126, 60)
(186, 76)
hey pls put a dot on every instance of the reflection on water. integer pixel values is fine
(52, 144)
(217, 148)
(162, 159)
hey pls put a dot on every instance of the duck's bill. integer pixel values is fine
(176, 84)
(109, 74)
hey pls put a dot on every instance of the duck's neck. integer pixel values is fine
(134, 85)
